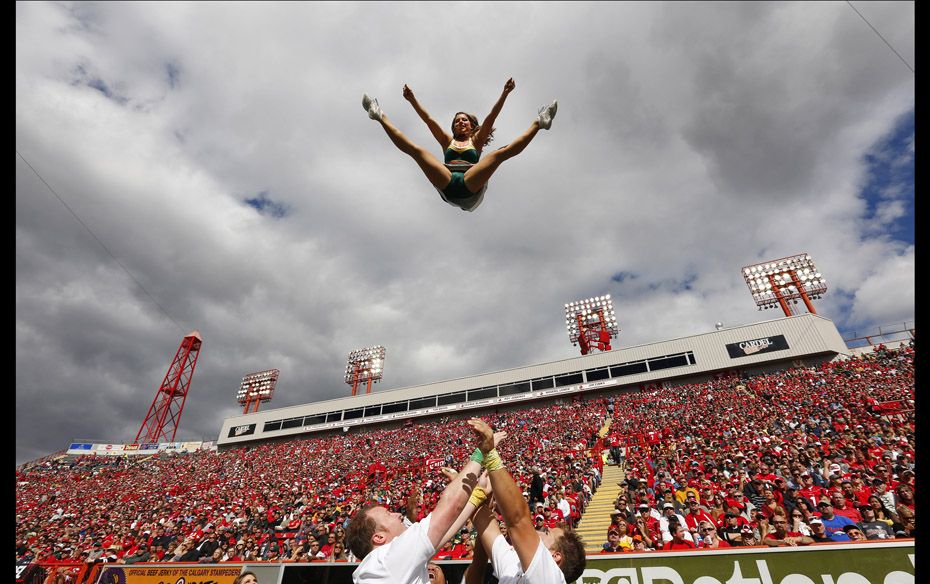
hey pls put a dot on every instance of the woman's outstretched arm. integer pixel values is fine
(488, 123)
(435, 129)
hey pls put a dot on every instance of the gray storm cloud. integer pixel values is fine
(691, 139)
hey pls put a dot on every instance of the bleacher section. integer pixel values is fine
(800, 406)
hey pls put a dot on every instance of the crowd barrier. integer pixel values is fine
(841, 563)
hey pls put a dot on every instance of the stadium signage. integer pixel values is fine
(596, 384)
(242, 430)
(808, 565)
(79, 448)
(757, 346)
(886, 562)
(150, 574)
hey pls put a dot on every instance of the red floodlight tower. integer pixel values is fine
(782, 282)
(591, 323)
(256, 388)
(365, 365)
(161, 423)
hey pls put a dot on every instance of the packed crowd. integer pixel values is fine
(807, 455)
(290, 501)
(787, 458)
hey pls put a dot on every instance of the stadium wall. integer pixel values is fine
(859, 563)
(803, 339)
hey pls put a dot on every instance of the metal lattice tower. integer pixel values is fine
(161, 423)
(591, 323)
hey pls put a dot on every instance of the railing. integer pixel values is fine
(899, 331)
(62, 573)
(38, 461)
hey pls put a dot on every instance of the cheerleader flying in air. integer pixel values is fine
(463, 177)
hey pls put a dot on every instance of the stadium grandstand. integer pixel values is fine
(690, 459)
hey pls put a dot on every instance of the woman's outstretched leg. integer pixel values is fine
(478, 175)
(435, 171)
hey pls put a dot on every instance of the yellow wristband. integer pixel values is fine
(492, 461)
(478, 497)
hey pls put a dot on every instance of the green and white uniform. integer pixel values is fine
(456, 193)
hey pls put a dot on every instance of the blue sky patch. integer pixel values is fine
(94, 82)
(174, 75)
(889, 190)
(267, 207)
(621, 277)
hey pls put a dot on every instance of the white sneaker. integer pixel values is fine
(546, 113)
(371, 106)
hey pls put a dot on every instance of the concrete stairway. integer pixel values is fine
(596, 517)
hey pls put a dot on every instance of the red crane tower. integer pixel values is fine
(161, 423)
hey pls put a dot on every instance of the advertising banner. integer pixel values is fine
(152, 574)
(243, 430)
(894, 406)
(889, 562)
(822, 564)
(108, 448)
(757, 346)
(131, 447)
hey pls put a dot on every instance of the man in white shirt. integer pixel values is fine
(551, 556)
(390, 551)
(668, 512)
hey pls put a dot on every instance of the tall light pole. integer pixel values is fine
(365, 365)
(256, 388)
(784, 281)
(591, 323)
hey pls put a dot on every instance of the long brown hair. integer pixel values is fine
(475, 127)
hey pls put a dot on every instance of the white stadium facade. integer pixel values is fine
(801, 340)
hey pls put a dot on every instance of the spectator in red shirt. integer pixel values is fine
(695, 515)
(809, 490)
(735, 497)
(780, 536)
(853, 496)
(845, 508)
(678, 541)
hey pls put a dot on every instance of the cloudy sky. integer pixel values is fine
(208, 166)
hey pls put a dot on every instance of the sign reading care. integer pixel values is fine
(243, 430)
(757, 346)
